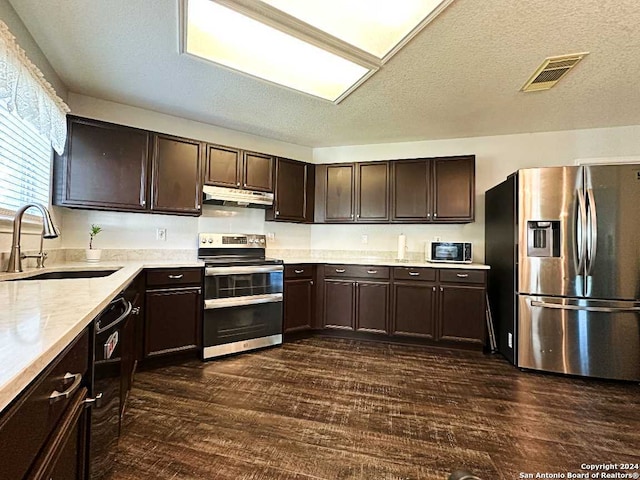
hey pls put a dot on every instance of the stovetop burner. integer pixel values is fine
(227, 249)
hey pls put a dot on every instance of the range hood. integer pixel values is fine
(236, 198)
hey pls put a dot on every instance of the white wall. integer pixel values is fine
(496, 157)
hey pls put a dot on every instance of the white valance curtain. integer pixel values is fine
(24, 89)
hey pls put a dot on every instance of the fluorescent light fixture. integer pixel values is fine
(376, 27)
(226, 37)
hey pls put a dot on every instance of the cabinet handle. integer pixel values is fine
(135, 311)
(299, 271)
(372, 271)
(238, 184)
(435, 215)
(441, 289)
(358, 216)
(311, 283)
(352, 215)
(277, 212)
(340, 270)
(414, 274)
(176, 277)
(462, 275)
(428, 215)
(245, 185)
(198, 206)
(97, 401)
(57, 396)
(143, 203)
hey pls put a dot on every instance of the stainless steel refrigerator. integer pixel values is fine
(563, 244)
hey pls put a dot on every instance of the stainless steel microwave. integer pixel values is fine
(450, 252)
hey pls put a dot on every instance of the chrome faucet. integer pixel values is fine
(49, 230)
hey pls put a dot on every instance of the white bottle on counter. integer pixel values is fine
(402, 247)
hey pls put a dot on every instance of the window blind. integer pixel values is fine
(25, 163)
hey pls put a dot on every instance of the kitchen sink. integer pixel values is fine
(67, 274)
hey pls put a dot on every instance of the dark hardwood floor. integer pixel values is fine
(324, 408)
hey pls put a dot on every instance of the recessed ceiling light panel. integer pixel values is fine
(376, 26)
(226, 37)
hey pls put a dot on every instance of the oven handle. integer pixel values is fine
(241, 301)
(212, 271)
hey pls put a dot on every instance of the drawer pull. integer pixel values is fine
(56, 395)
(176, 277)
(299, 271)
(462, 275)
(340, 270)
(372, 272)
(414, 274)
(97, 401)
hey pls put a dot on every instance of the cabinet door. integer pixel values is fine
(291, 190)
(104, 167)
(339, 304)
(454, 189)
(339, 195)
(223, 166)
(414, 309)
(373, 192)
(372, 306)
(173, 318)
(63, 456)
(410, 191)
(177, 178)
(298, 304)
(462, 313)
(258, 172)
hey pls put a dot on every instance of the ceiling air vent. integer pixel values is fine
(551, 71)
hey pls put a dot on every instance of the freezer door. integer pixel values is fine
(591, 338)
(551, 195)
(613, 240)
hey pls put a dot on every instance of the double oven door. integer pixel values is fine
(242, 308)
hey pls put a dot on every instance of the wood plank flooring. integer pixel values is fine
(324, 408)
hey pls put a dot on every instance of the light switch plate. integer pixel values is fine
(364, 239)
(161, 234)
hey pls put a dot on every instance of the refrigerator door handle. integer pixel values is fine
(558, 306)
(593, 230)
(582, 236)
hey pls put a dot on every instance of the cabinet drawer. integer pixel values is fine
(174, 276)
(298, 271)
(462, 276)
(27, 424)
(409, 273)
(358, 271)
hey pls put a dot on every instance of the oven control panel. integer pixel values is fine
(231, 240)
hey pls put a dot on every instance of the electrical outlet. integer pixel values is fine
(161, 234)
(271, 236)
(510, 340)
(364, 239)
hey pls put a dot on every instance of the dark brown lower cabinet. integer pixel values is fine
(339, 303)
(173, 311)
(372, 306)
(63, 457)
(298, 304)
(414, 311)
(462, 311)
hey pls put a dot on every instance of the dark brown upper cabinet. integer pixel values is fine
(112, 167)
(410, 191)
(422, 190)
(235, 168)
(176, 181)
(454, 189)
(372, 192)
(223, 166)
(294, 192)
(338, 197)
(103, 167)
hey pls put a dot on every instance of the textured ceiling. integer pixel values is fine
(459, 77)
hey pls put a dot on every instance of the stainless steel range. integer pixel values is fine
(242, 294)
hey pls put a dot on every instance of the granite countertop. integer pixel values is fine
(382, 262)
(39, 318)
